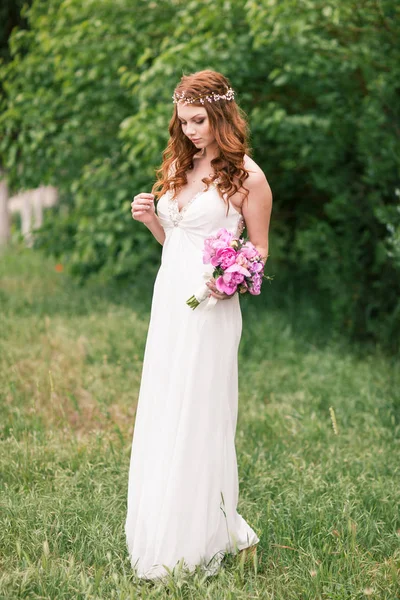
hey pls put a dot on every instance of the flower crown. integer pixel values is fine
(213, 97)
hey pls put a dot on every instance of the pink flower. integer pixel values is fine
(255, 284)
(235, 268)
(233, 276)
(228, 282)
(249, 250)
(256, 267)
(211, 246)
(226, 256)
(209, 250)
(242, 261)
(224, 235)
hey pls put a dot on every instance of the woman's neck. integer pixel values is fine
(209, 152)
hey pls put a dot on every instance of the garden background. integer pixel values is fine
(85, 102)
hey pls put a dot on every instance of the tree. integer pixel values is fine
(89, 100)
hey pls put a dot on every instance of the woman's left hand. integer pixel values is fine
(216, 293)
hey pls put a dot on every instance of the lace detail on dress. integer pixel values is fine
(240, 227)
(177, 215)
(173, 210)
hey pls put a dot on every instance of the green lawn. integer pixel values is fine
(317, 443)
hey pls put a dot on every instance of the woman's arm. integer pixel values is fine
(256, 210)
(142, 209)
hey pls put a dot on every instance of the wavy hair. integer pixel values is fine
(230, 128)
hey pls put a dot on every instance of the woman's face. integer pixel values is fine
(195, 124)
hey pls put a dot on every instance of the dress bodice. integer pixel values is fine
(186, 230)
(201, 217)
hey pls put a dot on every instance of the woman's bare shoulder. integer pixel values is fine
(256, 174)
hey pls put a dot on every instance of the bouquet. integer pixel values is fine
(237, 266)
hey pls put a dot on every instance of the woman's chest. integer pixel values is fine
(204, 213)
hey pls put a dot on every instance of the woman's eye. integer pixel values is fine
(197, 122)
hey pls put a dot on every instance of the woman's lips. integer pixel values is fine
(195, 141)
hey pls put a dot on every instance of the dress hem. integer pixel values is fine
(211, 567)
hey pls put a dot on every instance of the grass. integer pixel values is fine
(317, 444)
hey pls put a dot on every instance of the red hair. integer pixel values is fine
(229, 126)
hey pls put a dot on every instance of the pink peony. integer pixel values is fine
(235, 268)
(225, 285)
(217, 245)
(233, 276)
(242, 260)
(228, 282)
(209, 250)
(249, 251)
(225, 235)
(226, 256)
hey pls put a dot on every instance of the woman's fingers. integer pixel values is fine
(213, 287)
(214, 291)
(219, 296)
(144, 198)
(141, 203)
(144, 195)
(143, 207)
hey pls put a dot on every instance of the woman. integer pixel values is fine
(183, 479)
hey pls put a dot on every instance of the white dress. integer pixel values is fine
(183, 478)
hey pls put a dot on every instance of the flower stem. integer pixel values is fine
(192, 302)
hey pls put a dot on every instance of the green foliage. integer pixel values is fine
(98, 236)
(88, 104)
(11, 15)
(64, 98)
(331, 122)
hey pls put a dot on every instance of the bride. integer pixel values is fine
(183, 478)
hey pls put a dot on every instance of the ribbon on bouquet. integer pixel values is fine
(202, 293)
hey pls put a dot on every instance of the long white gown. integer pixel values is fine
(183, 478)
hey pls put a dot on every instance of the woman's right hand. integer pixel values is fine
(142, 208)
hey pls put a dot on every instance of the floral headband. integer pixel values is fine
(229, 95)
